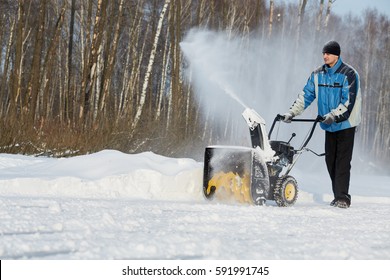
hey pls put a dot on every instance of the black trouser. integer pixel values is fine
(338, 149)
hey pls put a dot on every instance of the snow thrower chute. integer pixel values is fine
(254, 174)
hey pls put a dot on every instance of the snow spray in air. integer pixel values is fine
(230, 73)
(215, 69)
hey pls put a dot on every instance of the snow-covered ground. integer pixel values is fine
(112, 205)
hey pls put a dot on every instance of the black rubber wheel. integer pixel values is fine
(286, 191)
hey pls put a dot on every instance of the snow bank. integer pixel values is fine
(106, 174)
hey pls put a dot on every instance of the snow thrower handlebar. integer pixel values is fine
(292, 154)
(318, 119)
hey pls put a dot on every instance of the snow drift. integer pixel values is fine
(106, 174)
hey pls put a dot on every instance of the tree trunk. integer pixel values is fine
(89, 77)
(271, 17)
(17, 68)
(301, 14)
(48, 66)
(111, 58)
(319, 16)
(33, 85)
(5, 77)
(67, 113)
(328, 13)
(127, 90)
(164, 77)
(150, 66)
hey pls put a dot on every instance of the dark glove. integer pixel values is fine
(328, 118)
(287, 117)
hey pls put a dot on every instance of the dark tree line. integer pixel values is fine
(77, 76)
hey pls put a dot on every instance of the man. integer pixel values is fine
(336, 86)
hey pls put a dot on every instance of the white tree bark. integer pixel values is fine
(150, 65)
(167, 52)
(131, 70)
(319, 16)
(328, 12)
(301, 12)
(98, 84)
(111, 59)
(6, 64)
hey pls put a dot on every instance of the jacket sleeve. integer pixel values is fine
(305, 98)
(348, 97)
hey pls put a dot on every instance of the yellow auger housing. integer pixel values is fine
(235, 173)
(233, 186)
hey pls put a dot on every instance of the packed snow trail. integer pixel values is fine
(63, 228)
(112, 205)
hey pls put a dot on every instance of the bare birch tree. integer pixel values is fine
(271, 17)
(111, 58)
(132, 57)
(67, 112)
(33, 86)
(150, 65)
(17, 68)
(301, 14)
(5, 77)
(48, 65)
(328, 9)
(89, 75)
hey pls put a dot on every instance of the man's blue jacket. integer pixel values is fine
(337, 90)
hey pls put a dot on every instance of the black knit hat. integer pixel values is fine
(332, 47)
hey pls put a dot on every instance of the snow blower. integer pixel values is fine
(254, 174)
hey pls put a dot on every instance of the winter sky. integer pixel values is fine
(358, 6)
(342, 7)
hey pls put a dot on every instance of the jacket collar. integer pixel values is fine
(332, 70)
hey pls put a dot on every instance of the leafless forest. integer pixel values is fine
(78, 76)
